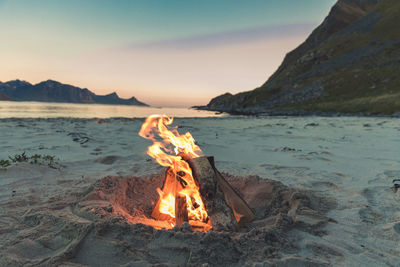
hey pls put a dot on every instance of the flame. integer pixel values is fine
(167, 205)
(167, 149)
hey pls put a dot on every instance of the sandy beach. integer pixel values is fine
(343, 168)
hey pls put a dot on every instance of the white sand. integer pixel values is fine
(353, 160)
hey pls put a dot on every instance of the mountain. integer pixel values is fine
(349, 64)
(3, 97)
(52, 91)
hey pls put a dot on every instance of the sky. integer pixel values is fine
(164, 52)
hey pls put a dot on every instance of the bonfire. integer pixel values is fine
(194, 191)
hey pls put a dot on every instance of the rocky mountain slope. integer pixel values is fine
(52, 91)
(349, 64)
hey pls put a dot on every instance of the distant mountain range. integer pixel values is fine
(53, 91)
(349, 64)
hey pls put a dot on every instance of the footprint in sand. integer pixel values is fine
(96, 151)
(108, 160)
(80, 138)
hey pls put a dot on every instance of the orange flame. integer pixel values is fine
(167, 144)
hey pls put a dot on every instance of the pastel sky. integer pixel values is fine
(164, 52)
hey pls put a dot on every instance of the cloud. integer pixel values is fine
(225, 38)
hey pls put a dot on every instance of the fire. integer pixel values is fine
(168, 149)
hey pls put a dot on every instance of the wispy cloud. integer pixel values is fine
(190, 71)
(225, 38)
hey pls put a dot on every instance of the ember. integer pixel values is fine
(193, 191)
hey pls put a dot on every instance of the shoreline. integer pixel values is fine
(68, 110)
(224, 115)
(295, 113)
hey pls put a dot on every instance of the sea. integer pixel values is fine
(12, 109)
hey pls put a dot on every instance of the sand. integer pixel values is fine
(321, 187)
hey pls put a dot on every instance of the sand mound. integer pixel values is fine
(106, 226)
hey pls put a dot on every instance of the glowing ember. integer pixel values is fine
(167, 149)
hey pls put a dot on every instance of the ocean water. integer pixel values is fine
(11, 109)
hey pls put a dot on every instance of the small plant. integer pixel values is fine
(19, 158)
(4, 164)
(39, 159)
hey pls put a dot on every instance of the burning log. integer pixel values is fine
(168, 188)
(219, 212)
(181, 214)
(241, 210)
(226, 209)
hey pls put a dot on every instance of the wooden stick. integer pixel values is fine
(181, 214)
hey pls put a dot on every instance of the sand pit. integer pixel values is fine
(105, 225)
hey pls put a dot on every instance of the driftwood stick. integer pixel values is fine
(219, 212)
(241, 210)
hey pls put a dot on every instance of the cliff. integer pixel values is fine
(348, 64)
